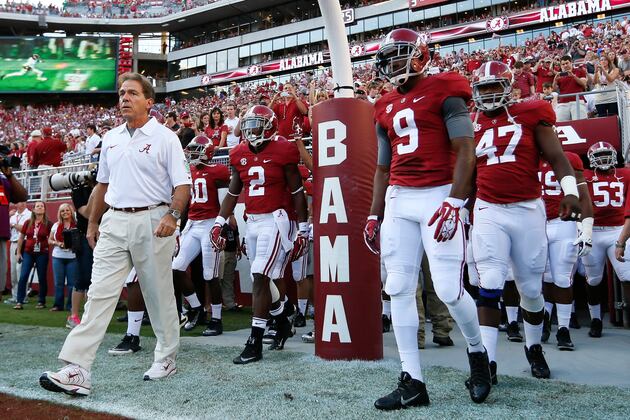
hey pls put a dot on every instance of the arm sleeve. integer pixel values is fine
(384, 147)
(457, 118)
(103, 170)
(177, 166)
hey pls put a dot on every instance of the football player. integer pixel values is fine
(27, 67)
(265, 166)
(567, 240)
(208, 180)
(608, 187)
(509, 216)
(423, 176)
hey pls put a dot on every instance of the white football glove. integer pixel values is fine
(584, 240)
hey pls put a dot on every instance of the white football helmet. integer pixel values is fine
(602, 156)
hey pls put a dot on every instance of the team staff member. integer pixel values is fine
(141, 163)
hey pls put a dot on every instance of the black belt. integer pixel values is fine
(137, 209)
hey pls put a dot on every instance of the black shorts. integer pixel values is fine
(85, 258)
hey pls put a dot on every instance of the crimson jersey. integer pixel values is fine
(507, 154)
(608, 192)
(214, 134)
(551, 191)
(421, 149)
(204, 200)
(262, 174)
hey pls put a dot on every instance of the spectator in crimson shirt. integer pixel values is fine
(34, 140)
(544, 73)
(473, 64)
(217, 131)
(49, 151)
(289, 110)
(570, 80)
(524, 81)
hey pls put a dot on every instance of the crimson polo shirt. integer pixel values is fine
(49, 152)
(523, 81)
(567, 84)
(288, 115)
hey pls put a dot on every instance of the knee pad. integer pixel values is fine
(594, 280)
(532, 305)
(275, 293)
(399, 283)
(448, 292)
(492, 279)
(489, 298)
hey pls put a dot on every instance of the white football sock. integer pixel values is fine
(302, 305)
(533, 333)
(387, 307)
(596, 311)
(193, 300)
(464, 312)
(512, 313)
(564, 314)
(134, 322)
(489, 337)
(216, 311)
(549, 307)
(405, 323)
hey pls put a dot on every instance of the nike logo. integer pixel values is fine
(247, 359)
(111, 147)
(482, 208)
(266, 160)
(72, 375)
(418, 99)
(404, 402)
(137, 320)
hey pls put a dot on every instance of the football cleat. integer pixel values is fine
(128, 345)
(193, 319)
(536, 358)
(409, 393)
(564, 339)
(271, 332)
(215, 327)
(574, 322)
(514, 333)
(284, 332)
(443, 341)
(300, 320)
(493, 375)
(71, 379)
(596, 328)
(161, 370)
(546, 332)
(251, 353)
(309, 337)
(480, 382)
(387, 323)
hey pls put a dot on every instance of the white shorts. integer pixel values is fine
(562, 254)
(195, 239)
(406, 235)
(515, 233)
(264, 246)
(604, 238)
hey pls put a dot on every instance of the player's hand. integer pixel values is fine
(218, 241)
(370, 231)
(92, 234)
(447, 218)
(583, 242)
(620, 251)
(243, 248)
(300, 246)
(166, 227)
(570, 208)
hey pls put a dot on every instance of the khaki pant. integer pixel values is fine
(441, 320)
(227, 280)
(15, 269)
(126, 240)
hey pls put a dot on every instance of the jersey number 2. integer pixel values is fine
(256, 185)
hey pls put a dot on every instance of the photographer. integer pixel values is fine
(11, 191)
(566, 82)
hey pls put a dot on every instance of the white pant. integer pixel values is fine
(194, 239)
(562, 254)
(515, 233)
(604, 238)
(569, 111)
(126, 240)
(405, 236)
(264, 246)
(299, 267)
(15, 269)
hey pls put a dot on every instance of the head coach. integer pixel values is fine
(141, 167)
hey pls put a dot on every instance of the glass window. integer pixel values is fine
(303, 38)
(254, 49)
(212, 62)
(464, 6)
(278, 44)
(232, 58)
(243, 51)
(431, 13)
(222, 60)
(386, 21)
(449, 9)
(482, 3)
(401, 17)
(357, 27)
(474, 46)
(491, 43)
(522, 38)
(266, 46)
(290, 41)
(317, 35)
(416, 15)
(192, 63)
(371, 24)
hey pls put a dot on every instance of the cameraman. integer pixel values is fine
(11, 191)
(80, 198)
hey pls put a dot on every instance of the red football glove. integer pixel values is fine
(300, 246)
(447, 217)
(372, 226)
(218, 241)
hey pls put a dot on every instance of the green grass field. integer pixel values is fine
(99, 75)
(44, 318)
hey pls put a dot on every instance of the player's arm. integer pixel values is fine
(379, 188)
(294, 182)
(620, 245)
(306, 157)
(461, 134)
(549, 145)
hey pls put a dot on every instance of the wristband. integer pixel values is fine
(455, 202)
(303, 227)
(587, 226)
(569, 186)
(618, 245)
(372, 217)
(220, 220)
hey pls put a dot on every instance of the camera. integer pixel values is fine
(285, 94)
(66, 180)
(563, 73)
(72, 239)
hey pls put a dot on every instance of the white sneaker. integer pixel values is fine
(71, 379)
(160, 370)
